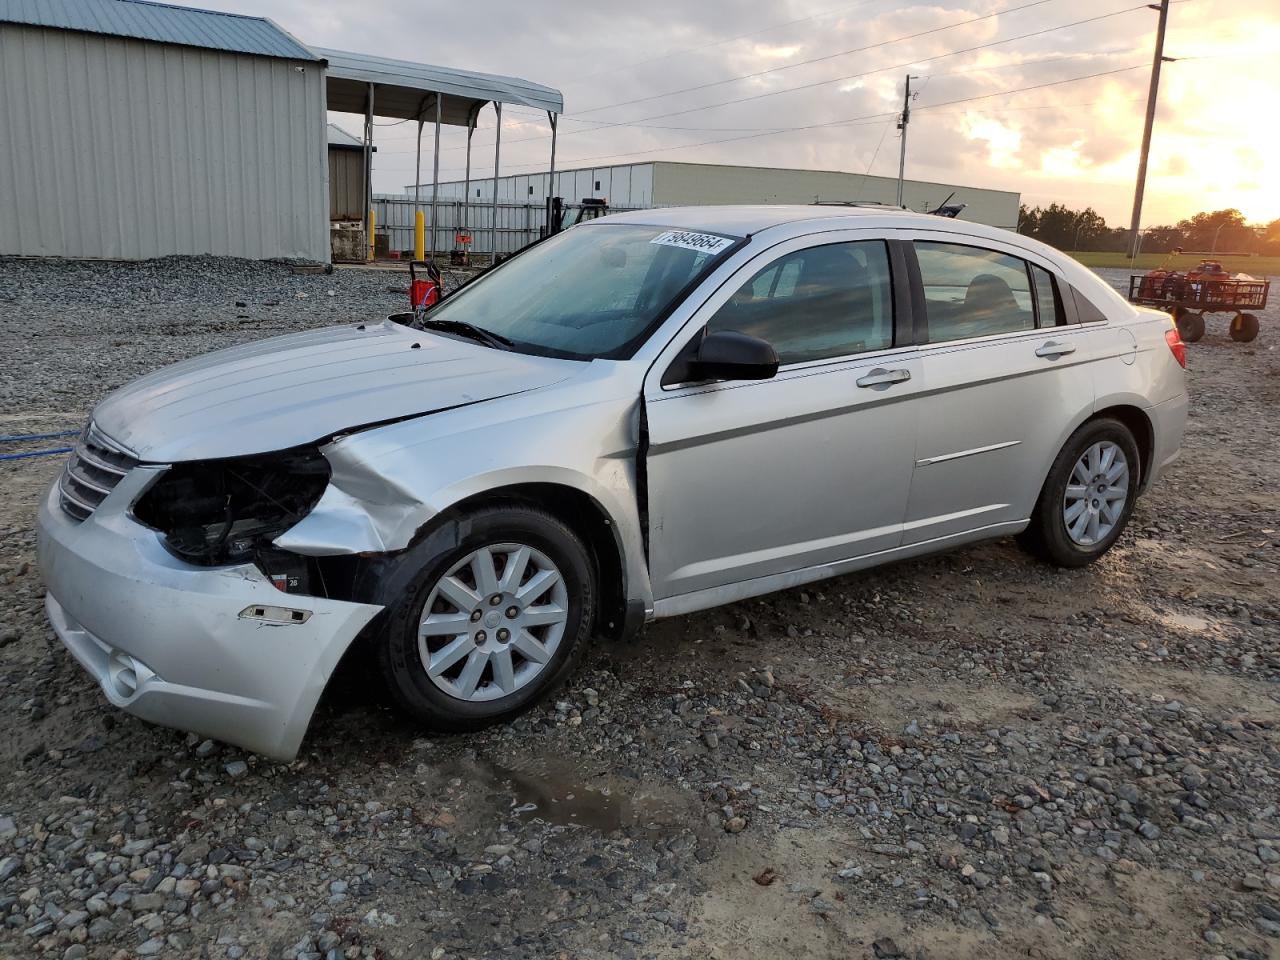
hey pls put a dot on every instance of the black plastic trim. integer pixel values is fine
(904, 310)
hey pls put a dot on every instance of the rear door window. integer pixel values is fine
(1048, 301)
(973, 292)
(818, 303)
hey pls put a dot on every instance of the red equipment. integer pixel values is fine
(1206, 288)
(424, 294)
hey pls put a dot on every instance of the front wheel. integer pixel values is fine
(492, 623)
(1088, 496)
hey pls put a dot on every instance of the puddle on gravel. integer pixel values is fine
(559, 793)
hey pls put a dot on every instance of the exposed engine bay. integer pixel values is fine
(216, 512)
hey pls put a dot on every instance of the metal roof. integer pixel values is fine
(406, 90)
(159, 22)
(341, 138)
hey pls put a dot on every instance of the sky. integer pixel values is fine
(1056, 116)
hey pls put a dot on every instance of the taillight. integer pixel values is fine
(1179, 349)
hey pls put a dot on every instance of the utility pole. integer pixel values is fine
(1163, 8)
(902, 125)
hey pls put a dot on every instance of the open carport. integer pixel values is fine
(137, 130)
(398, 89)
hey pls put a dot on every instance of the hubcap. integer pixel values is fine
(1096, 493)
(493, 622)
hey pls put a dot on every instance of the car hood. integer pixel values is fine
(304, 387)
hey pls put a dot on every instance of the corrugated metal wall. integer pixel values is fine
(130, 149)
(626, 185)
(518, 223)
(346, 184)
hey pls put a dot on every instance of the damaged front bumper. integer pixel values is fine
(215, 650)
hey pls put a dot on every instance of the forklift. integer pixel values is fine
(559, 213)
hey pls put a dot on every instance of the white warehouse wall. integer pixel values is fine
(669, 184)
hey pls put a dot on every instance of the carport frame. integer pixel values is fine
(402, 90)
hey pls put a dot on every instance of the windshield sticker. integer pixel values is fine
(705, 242)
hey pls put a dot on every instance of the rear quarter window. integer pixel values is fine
(1085, 308)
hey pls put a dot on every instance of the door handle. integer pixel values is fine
(880, 377)
(1051, 349)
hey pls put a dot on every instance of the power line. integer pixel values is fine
(602, 124)
(639, 121)
(896, 66)
(849, 120)
(717, 43)
(825, 57)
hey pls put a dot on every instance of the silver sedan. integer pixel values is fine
(646, 415)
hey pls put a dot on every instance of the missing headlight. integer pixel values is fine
(227, 511)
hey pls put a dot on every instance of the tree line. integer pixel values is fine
(1220, 231)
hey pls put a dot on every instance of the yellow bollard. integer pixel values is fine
(373, 228)
(419, 236)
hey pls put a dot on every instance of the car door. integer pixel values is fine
(751, 480)
(1004, 374)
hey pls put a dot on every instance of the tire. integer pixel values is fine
(1049, 536)
(1190, 325)
(419, 576)
(1244, 328)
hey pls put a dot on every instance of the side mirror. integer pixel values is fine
(729, 355)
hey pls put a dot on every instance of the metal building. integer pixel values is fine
(131, 129)
(135, 130)
(667, 184)
(346, 175)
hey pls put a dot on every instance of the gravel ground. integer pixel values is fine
(971, 755)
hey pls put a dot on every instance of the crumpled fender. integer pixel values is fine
(389, 483)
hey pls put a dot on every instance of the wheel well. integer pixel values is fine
(582, 514)
(1143, 434)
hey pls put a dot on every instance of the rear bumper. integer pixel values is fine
(1168, 422)
(166, 640)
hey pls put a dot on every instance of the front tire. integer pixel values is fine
(1088, 496)
(490, 622)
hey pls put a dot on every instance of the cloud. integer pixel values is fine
(1070, 140)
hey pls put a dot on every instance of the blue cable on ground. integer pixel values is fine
(17, 437)
(35, 453)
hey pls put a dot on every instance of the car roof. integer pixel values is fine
(752, 218)
(781, 221)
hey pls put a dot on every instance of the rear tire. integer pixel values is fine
(535, 639)
(1190, 325)
(1088, 496)
(1244, 328)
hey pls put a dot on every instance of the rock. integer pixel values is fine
(8, 867)
(237, 769)
(146, 902)
(735, 825)
(193, 852)
(8, 829)
(885, 947)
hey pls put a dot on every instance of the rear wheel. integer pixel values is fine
(1088, 496)
(491, 624)
(1244, 327)
(1190, 325)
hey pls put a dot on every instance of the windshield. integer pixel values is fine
(589, 292)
